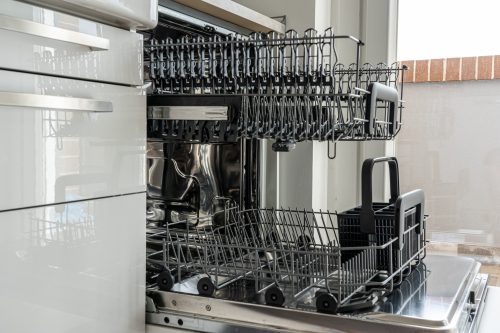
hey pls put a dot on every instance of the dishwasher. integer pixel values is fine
(138, 143)
(218, 260)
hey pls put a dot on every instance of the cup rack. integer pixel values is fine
(291, 88)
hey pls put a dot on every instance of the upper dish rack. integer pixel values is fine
(292, 87)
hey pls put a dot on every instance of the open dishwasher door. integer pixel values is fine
(445, 294)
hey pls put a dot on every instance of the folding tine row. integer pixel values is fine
(259, 64)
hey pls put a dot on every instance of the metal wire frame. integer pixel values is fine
(410, 292)
(302, 252)
(292, 87)
(322, 117)
(182, 250)
(358, 80)
(294, 250)
(403, 259)
(297, 117)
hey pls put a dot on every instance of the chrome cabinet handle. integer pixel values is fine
(54, 102)
(55, 33)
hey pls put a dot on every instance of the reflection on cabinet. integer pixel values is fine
(54, 155)
(75, 267)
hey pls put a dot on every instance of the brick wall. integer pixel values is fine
(453, 69)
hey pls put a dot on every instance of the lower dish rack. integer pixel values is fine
(291, 258)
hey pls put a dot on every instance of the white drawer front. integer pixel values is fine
(61, 143)
(44, 41)
(74, 268)
(134, 14)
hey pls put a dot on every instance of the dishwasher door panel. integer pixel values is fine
(65, 140)
(489, 318)
(75, 268)
(43, 41)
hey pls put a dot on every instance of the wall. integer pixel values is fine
(450, 147)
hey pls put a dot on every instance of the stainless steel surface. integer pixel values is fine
(53, 102)
(179, 320)
(162, 329)
(41, 30)
(436, 295)
(188, 112)
(434, 298)
(213, 170)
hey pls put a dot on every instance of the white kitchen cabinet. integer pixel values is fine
(129, 14)
(51, 154)
(75, 268)
(44, 41)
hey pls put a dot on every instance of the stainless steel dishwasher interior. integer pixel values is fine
(201, 186)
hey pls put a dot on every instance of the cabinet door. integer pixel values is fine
(129, 14)
(44, 41)
(75, 268)
(64, 140)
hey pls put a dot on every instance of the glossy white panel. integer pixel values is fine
(489, 319)
(129, 14)
(24, 49)
(56, 155)
(75, 268)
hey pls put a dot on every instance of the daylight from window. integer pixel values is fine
(430, 29)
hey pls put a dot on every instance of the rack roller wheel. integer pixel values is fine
(165, 281)
(274, 296)
(272, 239)
(205, 286)
(326, 303)
(304, 241)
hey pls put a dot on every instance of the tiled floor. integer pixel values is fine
(494, 274)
